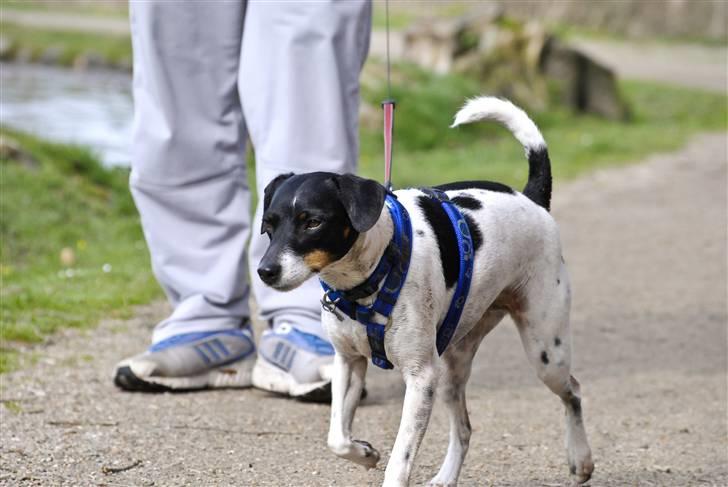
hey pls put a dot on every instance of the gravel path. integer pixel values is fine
(646, 246)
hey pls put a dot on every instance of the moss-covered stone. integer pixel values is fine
(516, 60)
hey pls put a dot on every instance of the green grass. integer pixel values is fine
(64, 198)
(114, 50)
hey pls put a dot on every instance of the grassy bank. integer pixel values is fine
(72, 251)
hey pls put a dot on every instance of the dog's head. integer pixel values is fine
(313, 220)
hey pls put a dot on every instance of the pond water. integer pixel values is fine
(90, 108)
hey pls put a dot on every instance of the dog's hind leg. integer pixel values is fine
(346, 386)
(457, 361)
(541, 313)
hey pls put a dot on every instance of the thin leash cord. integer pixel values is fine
(388, 107)
(386, 23)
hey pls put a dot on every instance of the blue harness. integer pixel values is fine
(392, 269)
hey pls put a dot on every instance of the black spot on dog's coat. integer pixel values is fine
(557, 341)
(467, 202)
(421, 233)
(475, 233)
(429, 392)
(544, 357)
(486, 185)
(445, 236)
(575, 404)
(407, 455)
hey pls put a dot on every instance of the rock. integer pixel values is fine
(435, 43)
(581, 83)
(517, 60)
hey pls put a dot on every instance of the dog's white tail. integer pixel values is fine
(538, 187)
(505, 112)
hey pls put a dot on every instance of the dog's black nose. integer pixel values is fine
(269, 273)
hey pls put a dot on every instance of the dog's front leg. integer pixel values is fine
(346, 387)
(418, 400)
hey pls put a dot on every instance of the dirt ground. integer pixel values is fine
(646, 247)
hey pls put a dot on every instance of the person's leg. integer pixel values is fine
(189, 183)
(299, 86)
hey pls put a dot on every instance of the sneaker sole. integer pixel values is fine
(270, 378)
(236, 375)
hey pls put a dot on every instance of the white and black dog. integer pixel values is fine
(337, 226)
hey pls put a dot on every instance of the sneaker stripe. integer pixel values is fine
(221, 346)
(284, 355)
(277, 351)
(199, 351)
(290, 360)
(191, 338)
(212, 351)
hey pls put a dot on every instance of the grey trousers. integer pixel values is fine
(208, 75)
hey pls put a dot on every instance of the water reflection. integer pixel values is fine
(87, 108)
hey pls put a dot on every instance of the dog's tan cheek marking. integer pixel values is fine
(317, 260)
(347, 232)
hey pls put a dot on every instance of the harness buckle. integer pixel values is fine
(330, 305)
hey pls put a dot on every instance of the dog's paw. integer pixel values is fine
(356, 451)
(367, 454)
(582, 469)
(436, 482)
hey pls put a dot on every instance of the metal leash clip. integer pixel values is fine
(330, 305)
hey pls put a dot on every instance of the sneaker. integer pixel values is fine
(191, 361)
(294, 363)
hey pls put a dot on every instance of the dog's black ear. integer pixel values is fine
(272, 187)
(363, 200)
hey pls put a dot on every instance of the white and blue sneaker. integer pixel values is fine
(294, 363)
(191, 361)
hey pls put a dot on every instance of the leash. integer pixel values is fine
(388, 109)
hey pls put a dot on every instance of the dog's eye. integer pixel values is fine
(312, 224)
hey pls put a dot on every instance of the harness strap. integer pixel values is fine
(371, 285)
(389, 292)
(395, 265)
(465, 247)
